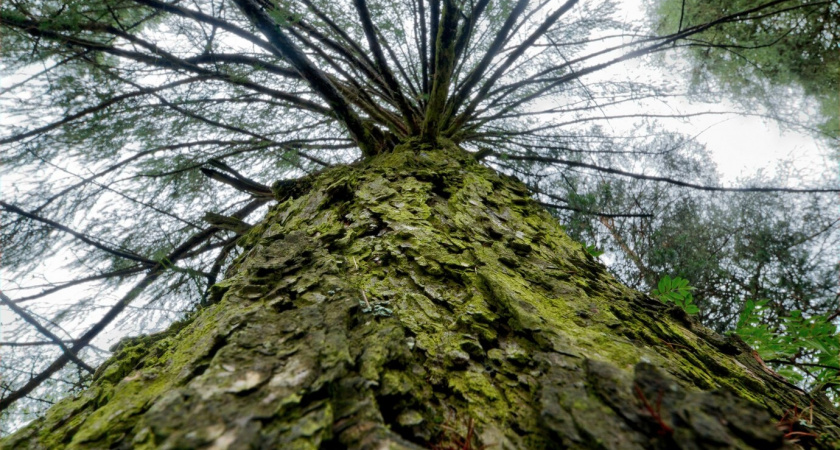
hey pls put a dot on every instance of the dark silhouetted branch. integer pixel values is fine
(47, 333)
(80, 236)
(549, 160)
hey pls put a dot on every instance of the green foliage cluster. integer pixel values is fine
(594, 251)
(778, 247)
(676, 291)
(805, 350)
(774, 247)
(799, 346)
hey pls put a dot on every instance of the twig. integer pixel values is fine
(70, 353)
(656, 413)
(367, 303)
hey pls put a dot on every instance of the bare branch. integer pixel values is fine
(41, 329)
(61, 286)
(96, 108)
(568, 163)
(80, 236)
(150, 277)
(592, 213)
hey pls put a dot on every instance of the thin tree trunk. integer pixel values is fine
(419, 300)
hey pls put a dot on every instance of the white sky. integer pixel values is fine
(743, 145)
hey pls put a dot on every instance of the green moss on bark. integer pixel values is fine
(402, 301)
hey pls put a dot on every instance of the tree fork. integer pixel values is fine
(369, 138)
(484, 325)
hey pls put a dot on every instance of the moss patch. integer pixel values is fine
(414, 296)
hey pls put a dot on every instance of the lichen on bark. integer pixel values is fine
(420, 300)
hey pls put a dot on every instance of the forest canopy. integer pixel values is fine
(140, 137)
(766, 60)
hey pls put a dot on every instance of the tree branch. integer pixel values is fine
(154, 273)
(550, 160)
(55, 225)
(370, 140)
(442, 77)
(41, 329)
(382, 65)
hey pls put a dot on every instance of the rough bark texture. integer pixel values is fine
(419, 300)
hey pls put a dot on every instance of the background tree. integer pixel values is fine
(733, 248)
(764, 59)
(125, 117)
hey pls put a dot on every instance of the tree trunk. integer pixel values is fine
(419, 300)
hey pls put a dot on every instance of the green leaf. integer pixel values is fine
(592, 250)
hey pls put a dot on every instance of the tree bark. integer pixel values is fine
(420, 300)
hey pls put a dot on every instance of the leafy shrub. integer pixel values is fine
(676, 291)
(805, 350)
